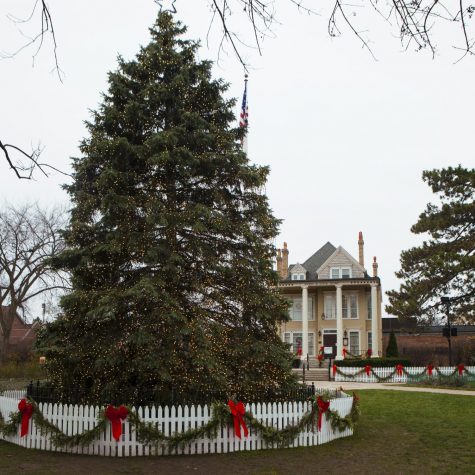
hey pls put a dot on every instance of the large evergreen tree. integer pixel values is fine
(444, 265)
(169, 241)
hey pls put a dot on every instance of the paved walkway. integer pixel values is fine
(393, 387)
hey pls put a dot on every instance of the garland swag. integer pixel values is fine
(399, 370)
(148, 433)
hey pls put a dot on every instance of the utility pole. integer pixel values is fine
(447, 301)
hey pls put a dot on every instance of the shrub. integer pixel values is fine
(392, 350)
(374, 362)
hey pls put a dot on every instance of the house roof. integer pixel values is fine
(315, 261)
(393, 324)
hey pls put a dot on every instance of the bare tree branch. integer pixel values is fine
(29, 238)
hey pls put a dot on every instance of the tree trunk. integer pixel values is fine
(6, 323)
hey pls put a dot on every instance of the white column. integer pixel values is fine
(304, 322)
(374, 320)
(339, 322)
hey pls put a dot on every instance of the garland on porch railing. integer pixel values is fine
(148, 433)
(368, 354)
(399, 370)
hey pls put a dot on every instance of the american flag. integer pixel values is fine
(243, 121)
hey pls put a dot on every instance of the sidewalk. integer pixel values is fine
(349, 386)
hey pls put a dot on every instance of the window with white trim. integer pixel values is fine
(354, 342)
(350, 305)
(298, 276)
(329, 306)
(370, 341)
(295, 310)
(340, 273)
(295, 339)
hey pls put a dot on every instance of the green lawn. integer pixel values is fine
(399, 433)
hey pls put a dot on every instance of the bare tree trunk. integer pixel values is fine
(6, 324)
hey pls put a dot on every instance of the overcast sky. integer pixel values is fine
(346, 137)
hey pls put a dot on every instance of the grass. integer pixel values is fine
(453, 382)
(15, 375)
(25, 370)
(399, 433)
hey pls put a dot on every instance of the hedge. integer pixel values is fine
(373, 362)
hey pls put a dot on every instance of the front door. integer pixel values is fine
(329, 340)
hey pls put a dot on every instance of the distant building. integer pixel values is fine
(335, 303)
(424, 345)
(22, 335)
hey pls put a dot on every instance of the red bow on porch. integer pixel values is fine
(116, 416)
(238, 411)
(26, 411)
(345, 351)
(323, 407)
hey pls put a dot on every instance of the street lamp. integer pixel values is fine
(447, 301)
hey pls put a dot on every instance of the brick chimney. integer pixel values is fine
(375, 267)
(285, 261)
(279, 262)
(361, 249)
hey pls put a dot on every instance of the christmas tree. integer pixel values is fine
(169, 241)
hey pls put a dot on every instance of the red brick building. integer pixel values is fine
(424, 345)
(22, 336)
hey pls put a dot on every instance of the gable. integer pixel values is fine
(341, 258)
(298, 269)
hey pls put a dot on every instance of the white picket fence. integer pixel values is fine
(384, 372)
(77, 419)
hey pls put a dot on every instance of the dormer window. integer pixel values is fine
(340, 273)
(298, 272)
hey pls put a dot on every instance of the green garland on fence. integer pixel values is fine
(10, 428)
(148, 433)
(383, 379)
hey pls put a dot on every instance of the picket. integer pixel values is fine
(72, 419)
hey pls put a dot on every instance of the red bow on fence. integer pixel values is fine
(238, 411)
(461, 367)
(26, 410)
(116, 415)
(399, 368)
(367, 368)
(322, 408)
(429, 370)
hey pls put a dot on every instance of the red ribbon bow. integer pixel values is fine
(369, 352)
(345, 351)
(399, 368)
(429, 370)
(461, 367)
(367, 368)
(238, 411)
(26, 410)
(320, 357)
(322, 408)
(334, 369)
(116, 415)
